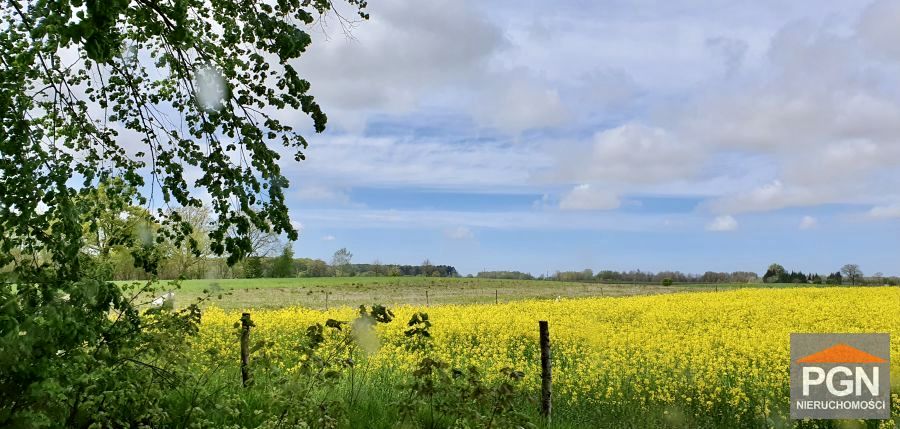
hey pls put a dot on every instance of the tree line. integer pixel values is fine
(633, 276)
(286, 265)
(776, 273)
(638, 276)
(847, 274)
(117, 244)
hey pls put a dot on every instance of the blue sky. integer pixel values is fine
(651, 134)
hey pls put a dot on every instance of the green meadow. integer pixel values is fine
(330, 292)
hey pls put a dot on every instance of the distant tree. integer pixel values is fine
(283, 265)
(112, 218)
(834, 278)
(317, 268)
(340, 261)
(262, 243)
(878, 278)
(185, 258)
(575, 276)
(608, 275)
(427, 268)
(852, 272)
(301, 265)
(667, 282)
(444, 271)
(743, 277)
(376, 267)
(116, 233)
(775, 273)
(512, 275)
(253, 267)
(794, 277)
(713, 277)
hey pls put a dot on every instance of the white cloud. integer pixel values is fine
(820, 106)
(585, 197)
(346, 161)
(459, 233)
(604, 88)
(453, 54)
(722, 224)
(766, 197)
(399, 58)
(631, 154)
(320, 193)
(311, 194)
(328, 238)
(518, 103)
(448, 220)
(878, 28)
(803, 116)
(808, 222)
(731, 50)
(885, 212)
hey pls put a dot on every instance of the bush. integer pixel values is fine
(105, 371)
(667, 282)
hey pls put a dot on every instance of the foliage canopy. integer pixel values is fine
(108, 104)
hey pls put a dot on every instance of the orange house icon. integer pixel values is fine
(841, 353)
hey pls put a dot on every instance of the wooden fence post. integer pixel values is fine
(427, 301)
(496, 297)
(546, 378)
(246, 323)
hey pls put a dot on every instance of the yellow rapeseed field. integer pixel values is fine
(712, 353)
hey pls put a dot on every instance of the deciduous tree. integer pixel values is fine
(852, 273)
(144, 91)
(283, 265)
(186, 259)
(340, 261)
(774, 274)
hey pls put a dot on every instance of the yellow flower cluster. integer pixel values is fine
(710, 351)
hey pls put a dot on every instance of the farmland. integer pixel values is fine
(355, 291)
(700, 359)
(320, 214)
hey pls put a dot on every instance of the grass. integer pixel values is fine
(330, 292)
